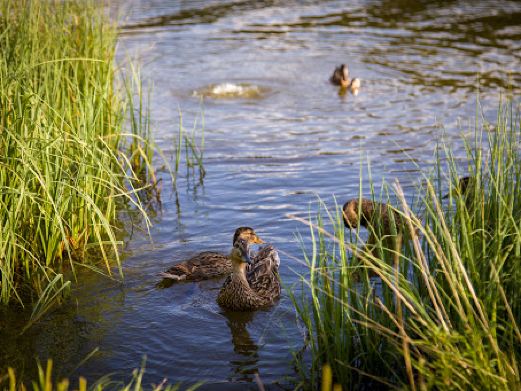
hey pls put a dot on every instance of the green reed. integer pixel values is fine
(442, 310)
(67, 161)
(194, 149)
(46, 382)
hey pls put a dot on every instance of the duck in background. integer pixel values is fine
(254, 287)
(340, 77)
(385, 225)
(364, 212)
(209, 264)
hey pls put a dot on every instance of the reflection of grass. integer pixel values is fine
(45, 382)
(445, 311)
(65, 162)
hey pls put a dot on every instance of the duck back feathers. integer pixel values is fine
(203, 266)
(254, 286)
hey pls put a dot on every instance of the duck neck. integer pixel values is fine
(239, 271)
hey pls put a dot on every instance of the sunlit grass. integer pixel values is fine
(45, 381)
(74, 147)
(444, 312)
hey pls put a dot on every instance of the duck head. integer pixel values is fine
(247, 234)
(352, 218)
(240, 252)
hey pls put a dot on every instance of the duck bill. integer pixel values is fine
(258, 240)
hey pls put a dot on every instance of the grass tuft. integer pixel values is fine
(443, 309)
(67, 162)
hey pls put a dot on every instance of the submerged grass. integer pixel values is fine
(441, 311)
(67, 162)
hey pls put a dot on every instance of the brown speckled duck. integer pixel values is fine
(248, 289)
(209, 264)
(370, 213)
(340, 77)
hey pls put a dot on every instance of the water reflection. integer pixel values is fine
(245, 363)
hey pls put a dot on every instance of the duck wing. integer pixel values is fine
(203, 266)
(263, 274)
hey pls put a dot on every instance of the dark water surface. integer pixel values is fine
(276, 136)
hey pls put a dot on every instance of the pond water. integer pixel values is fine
(277, 135)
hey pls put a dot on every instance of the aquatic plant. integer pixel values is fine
(444, 310)
(45, 382)
(68, 164)
(194, 150)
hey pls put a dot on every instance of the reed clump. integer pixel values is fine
(70, 158)
(45, 381)
(443, 311)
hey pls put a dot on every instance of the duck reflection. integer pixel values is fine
(244, 363)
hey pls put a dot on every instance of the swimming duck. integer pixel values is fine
(385, 225)
(340, 77)
(209, 264)
(371, 213)
(248, 290)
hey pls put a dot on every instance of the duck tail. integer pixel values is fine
(171, 276)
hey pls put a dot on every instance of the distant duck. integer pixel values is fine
(248, 289)
(209, 264)
(340, 77)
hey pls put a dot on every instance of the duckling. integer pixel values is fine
(340, 76)
(246, 290)
(209, 264)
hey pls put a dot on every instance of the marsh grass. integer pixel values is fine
(46, 382)
(74, 147)
(193, 148)
(444, 310)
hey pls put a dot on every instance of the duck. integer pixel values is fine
(463, 187)
(209, 264)
(253, 287)
(371, 213)
(340, 77)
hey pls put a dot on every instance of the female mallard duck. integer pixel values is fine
(386, 226)
(209, 264)
(365, 212)
(248, 290)
(340, 77)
